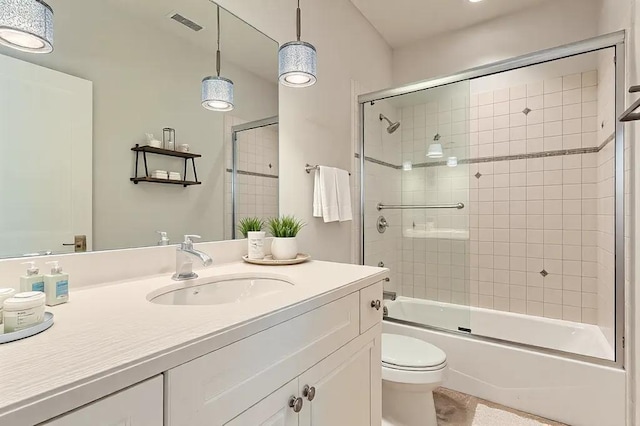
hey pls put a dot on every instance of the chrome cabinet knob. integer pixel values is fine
(376, 304)
(309, 392)
(296, 404)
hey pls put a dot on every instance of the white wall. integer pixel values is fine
(552, 24)
(315, 123)
(144, 81)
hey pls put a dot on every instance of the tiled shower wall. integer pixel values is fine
(257, 184)
(534, 220)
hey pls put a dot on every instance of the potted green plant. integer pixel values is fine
(284, 230)
(251, 229)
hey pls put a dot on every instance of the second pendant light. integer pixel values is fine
(297, 60)
(217, 92)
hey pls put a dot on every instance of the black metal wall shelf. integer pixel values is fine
(168, 153)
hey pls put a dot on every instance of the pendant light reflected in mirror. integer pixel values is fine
(297, 60)
(217, 92)
(26, 25)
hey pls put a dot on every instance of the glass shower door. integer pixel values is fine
(416, 209)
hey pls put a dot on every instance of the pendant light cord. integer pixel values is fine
(218, 52)
(298, 24)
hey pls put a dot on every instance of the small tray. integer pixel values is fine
(270, 261)
(27, 332)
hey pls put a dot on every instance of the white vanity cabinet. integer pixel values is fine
(139, 405)
(320, 368)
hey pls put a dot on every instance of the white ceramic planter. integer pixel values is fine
(284, 248)
(255, 245)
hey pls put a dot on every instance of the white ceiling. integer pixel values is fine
(241, 43)
(402, 22)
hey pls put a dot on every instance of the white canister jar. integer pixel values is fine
(284, 248)
(5, 293)
(23, 310)
(255, 242)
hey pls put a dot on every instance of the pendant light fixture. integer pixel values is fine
(217, 92)
(297, 61)
(26, 25)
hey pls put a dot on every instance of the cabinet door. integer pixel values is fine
(139, 405)
(217, 387)
(274, 410)
(346, 384)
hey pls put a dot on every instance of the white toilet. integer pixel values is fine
(411, 370)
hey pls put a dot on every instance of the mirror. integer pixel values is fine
(119, 70)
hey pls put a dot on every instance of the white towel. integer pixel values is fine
(317, 195)
(332, 195)
(343, 188)
(329, 194)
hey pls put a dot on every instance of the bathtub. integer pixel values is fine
(536, 381)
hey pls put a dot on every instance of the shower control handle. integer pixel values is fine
(377, 304)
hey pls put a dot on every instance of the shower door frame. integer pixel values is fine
(614, 40)
(265, 122)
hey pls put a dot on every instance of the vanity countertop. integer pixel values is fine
(109, 337)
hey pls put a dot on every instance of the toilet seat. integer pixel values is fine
(410, 354)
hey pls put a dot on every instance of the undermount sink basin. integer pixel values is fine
(220, 290)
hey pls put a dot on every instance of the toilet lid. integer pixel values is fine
(405, 351)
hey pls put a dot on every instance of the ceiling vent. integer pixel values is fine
(185, 21)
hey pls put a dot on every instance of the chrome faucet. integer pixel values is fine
(184, 262)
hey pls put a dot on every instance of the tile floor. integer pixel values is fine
(458, 409)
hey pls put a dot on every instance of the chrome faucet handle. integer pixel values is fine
(188, 241)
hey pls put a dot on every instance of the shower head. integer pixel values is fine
(392, 126)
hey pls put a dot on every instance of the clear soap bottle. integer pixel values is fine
(56, 285)
(32, 280)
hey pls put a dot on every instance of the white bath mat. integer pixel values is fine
(487, 416)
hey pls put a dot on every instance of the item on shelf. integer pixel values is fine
(5, 293)
(23, 310)
(56, 285)
(33, 279)
(175, 176)
(152, 141)
(169, 138)
(184, 147)
(160, 174)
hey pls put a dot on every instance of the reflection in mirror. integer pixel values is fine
(252, 173)
(121, 70)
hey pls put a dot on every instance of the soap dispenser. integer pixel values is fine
(164, 238)
(32, 280)
(56, 285)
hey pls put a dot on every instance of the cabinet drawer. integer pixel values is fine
(370, 316)
(215, 388)
(139, 405)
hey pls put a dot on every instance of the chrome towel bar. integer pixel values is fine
(309, 167)
(458, 206)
